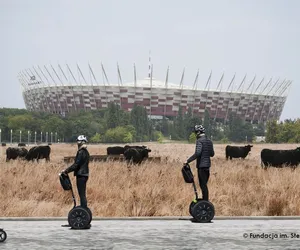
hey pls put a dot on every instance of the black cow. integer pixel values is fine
(3, 144)
(39, 152)
(14, 153)
(237, 152)
(278, 158)
(136, 155)
(117, 150)
(21, 144)
(136, 147)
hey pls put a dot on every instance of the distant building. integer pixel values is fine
(56, 90)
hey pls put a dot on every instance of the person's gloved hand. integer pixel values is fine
(63, 172)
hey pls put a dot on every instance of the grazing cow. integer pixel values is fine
(14, 153)
(136, 147)
(278, 158)
(21, 144)
(136, 155)
(115, 150)
(39, 152)
(237, 152)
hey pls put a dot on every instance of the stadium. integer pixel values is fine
(57, 90)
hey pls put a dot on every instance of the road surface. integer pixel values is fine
(154, 234)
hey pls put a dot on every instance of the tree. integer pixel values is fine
(272, 130)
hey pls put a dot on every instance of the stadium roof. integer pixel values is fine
(146, 82)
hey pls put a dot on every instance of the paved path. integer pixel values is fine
(153, 234)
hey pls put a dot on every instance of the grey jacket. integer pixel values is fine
(204, 150)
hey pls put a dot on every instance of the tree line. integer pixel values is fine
(114, 125)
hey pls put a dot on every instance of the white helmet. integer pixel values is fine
(199, 129)
(82, 139)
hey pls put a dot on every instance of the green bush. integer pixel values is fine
(96, 138)
(118, 134)
(192, 138)
(158, 136)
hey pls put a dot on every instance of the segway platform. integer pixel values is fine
(78, 217)
(201, 210)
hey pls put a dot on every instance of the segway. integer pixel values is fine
(3, 235)
(201, 210)
(78, 217)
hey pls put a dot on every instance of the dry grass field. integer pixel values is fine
(237, 187)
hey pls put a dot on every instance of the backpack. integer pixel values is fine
(187, 174)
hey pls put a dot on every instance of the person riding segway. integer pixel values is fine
(203, 152)
(80, 167)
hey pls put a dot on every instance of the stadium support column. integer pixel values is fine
(219, 86)
(151, 90)
(28, 101)
(240, 88)
(74, 81)
(42, 94)
(195, 88)
(86, 84)
(134, 81)
(225, 120)
(49, 90)
(207, 86)
(92, 74)
(166, 91)
(40, 91)
(250, 99)
(31, 88)
(261, 93)
(63, 91)
(70, 86)
(257, 100)
(104, 77)
(120, 83)
(56, 93)
(281, 95)
(266, 96)
(82, 95)
(273, 98)
(181, 87)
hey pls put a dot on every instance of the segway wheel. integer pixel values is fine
(79, 218)
(203, 211)
(91, 215)
(3, 235)
(193, 203)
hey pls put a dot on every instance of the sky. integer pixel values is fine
(252, 38)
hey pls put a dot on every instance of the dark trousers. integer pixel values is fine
(203, 176)
(81, 187)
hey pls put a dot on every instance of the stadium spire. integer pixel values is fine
(149, 65)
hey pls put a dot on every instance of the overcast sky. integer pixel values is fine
(252, 37)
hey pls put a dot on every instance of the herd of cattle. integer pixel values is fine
(137, 154)
(269, 157)
(134, 154)
(34, 153)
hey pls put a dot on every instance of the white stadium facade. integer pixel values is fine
(57, 90)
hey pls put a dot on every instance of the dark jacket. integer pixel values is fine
(81, 163)
(204, 150)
